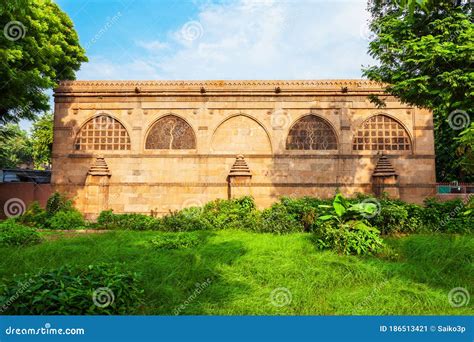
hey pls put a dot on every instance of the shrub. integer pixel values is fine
(34, 216)
(229, 214)
(108, 220)
(72, 290)
(392, 218)
(353, 237)
(185, 220)
(346, 229)
(175, 240)
(71, 219)
(304, 209)
(58, 202)
(15, 234)
(276, 219)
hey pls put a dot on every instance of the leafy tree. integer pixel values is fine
(42, 141)
(425, 51)
(38, 47)
(15, 147)
(466, 149)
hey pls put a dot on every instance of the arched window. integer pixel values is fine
(311, 133)
(381, 133)
(102, 132)
(171, 133)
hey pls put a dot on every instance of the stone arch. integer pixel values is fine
(311, 132)
(102, 132)
(381, 132)
(241, 134)
(170, 132)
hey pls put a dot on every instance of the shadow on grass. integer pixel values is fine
(188, 280)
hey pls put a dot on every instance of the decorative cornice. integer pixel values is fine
(99, 168)
(384, 168)
(240, 168)
(274, 86)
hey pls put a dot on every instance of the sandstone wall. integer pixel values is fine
(252, 118)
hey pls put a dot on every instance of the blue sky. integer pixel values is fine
(232, 39)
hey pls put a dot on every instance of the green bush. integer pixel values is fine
(58, 202)
(175, 240)
(229, 214)
(392, 218)
(108, 220)
(71, 219)
(277, 220)
(185, 220)
(353, 237)
(34, 216)
(72, 290)
(13, 233)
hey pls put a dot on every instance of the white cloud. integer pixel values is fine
(250, 39)
(153, 46)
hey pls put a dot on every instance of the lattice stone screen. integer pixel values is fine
(311, 133)
(381, 133)
(171, 133)
(102, 132)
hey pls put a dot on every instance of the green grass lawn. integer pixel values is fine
(413, 276)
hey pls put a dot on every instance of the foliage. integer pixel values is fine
(71, 219)
(34, 216)
(342, 210)
(424, 57)
(43, 50)
(392, 218)
(175, 240)
(15, 147)
(185, 220)
(108, 220)
(466, 149)
(42, 141)
(277, 220)
(352, 237)
(346, 229)
(58, 202)
(16, 234)
(69, 290)
(229, 214)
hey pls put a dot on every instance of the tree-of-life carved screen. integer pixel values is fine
(102, 132)
(171, 133)
(381, 133)
(311, 133)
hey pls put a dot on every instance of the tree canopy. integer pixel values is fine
(38, 48)
(426, 56)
